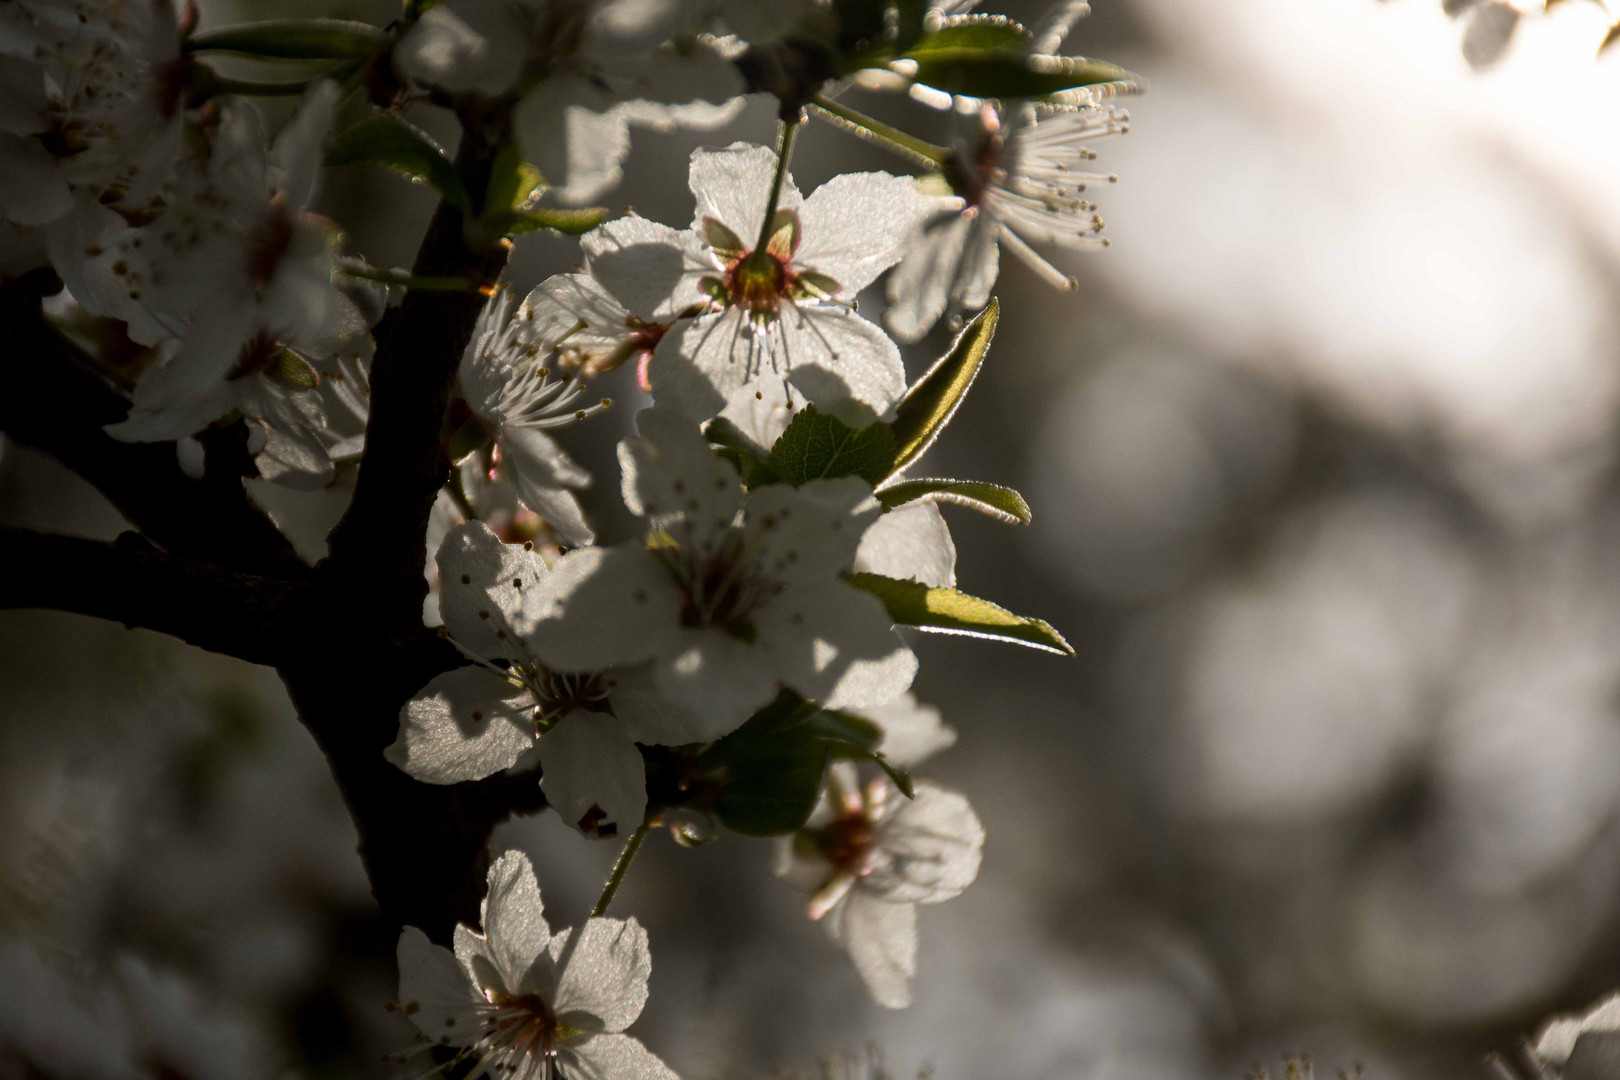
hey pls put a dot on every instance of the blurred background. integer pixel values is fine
(1323, 463)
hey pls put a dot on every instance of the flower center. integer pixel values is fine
(758, 282)
(847, 843)
(719, 591)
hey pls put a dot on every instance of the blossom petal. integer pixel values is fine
(482, 585)
(576, 134)
(881, 938)
(544, 472)
(651, 718)
(605, 967)
(922, 285)
(514, 922)
(854, 226)
(840, 362)
(297, 153)
(435, 991)
(671, 476)
(613, 1057)
(593, 774)
(652, 269)
(604, 606)
(912, 732)
(928, 848)
(836, 644)
(715, 675)
(910, 542)
(465, 725)
(700, 363)
(466, 45)
(734, 186)
(810, 534)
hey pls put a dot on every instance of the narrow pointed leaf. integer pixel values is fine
(933, 399)
(974, 32)
(388, 141)
(948, 611)
(1004, 73)
(294, 39)
(571, 222)
(1001, 503)
(818, 446)
(512, 182)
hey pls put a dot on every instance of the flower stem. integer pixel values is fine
(919, 152)
(784, 153)
(631, 846)
(412, 281)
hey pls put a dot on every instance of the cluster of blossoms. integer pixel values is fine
(742, 660)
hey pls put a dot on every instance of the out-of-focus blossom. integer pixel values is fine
(870, 856)
(583, 74)
(1016, 182)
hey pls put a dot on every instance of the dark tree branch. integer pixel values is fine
(132, 582)
(54, 403)
(379, 547)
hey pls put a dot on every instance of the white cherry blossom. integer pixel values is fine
(584, 73)
(1583, 1046)
(233, 268)
(475, 721)
(786, 309)
(508, 385)
(93, 103)
(869, 856)
(1016, 184)
(522, 1003)
(732, 596)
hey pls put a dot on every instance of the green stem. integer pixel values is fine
(919, 152)
(625, 858)
(784, 153)
(411, 281)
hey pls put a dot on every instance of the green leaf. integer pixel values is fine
(948, 611)
(512, 182)
(817, 446)
(1001, 503)
(1005, 73)
(769, 769)
(294, 39)
(571, 222)
(386, 140)
(752, 463)
(974, 32)
(933, 399)
(909, 15)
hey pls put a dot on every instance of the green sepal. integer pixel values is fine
(387, 140)
(769, 770)
(818, 446)
(569, 222)
(932, 400)
(293, 370)
(783, 236)
(294, 39)
(1001, 503)
(814, 285)
(949, 611)
(725, 243)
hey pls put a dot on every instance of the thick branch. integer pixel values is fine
(132, 582)
(54, 403)
(379, 546)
